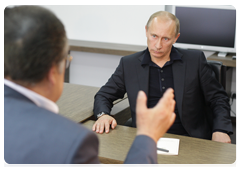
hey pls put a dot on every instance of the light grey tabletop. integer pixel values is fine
(114, 147)
(76, 102)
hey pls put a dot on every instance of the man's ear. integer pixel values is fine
(146, 29)
(176, 38)
(51, 77)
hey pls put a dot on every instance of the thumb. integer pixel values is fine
(172, 119)
(141, 102)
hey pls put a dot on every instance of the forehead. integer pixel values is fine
(161, 26)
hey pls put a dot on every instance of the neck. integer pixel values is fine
(161, 60)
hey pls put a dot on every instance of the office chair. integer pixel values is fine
(219, 71)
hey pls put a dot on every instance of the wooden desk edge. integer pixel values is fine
(108, 160)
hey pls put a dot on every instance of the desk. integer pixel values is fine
(115, 145)
(76, 102)
(227, 61)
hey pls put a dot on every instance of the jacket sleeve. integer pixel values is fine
(114, 89)
(216, 97)
(87, 152)
(142, 151)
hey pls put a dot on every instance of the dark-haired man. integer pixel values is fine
(35, 58)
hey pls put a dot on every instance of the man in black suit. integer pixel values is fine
(35, 58)
(202, 105)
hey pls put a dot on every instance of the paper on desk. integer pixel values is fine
(170, 144)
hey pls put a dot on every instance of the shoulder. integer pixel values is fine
(191, 55)
(188, 52)
(134, 56)
(25, 122)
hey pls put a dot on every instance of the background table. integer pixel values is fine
(76, 103)
(115, 145)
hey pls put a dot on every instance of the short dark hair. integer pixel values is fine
(34, 39)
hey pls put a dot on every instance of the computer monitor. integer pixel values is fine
(208, 28)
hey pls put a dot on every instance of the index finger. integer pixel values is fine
(167, 99)
(141, 102)
(94, 126)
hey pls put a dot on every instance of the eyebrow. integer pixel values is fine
(162, 37)
(154, 34)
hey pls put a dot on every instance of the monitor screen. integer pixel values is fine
(206, 28)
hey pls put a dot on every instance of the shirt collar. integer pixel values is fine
(36, 98)
(174, 55)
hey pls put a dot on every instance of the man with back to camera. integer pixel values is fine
(35, 58)
(159, 67)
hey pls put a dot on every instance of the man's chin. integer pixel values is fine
(157, 55)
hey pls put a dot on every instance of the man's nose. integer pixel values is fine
(158, 44)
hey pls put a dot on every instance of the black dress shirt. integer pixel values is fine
(160, 79)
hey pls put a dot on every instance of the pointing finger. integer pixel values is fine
(141, 104)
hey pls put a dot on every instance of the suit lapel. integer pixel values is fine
(143, 75)
(178, 69)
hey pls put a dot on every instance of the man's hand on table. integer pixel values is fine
(103, 123)
(221, 137)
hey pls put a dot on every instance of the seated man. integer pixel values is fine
(35, 58)
(163, 66)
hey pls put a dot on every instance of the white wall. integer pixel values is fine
(92, 69)
(123, 24)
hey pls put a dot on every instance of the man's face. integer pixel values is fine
(160, 37)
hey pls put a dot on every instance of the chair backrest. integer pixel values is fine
(219, 70)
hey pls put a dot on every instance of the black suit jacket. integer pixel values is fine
(34, 135)
(202, 102)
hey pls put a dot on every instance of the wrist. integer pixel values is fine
(100, 114)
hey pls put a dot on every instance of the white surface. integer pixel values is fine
(170, 144)
(92, 69)
(124, 24)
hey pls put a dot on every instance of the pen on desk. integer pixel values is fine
(161, 149)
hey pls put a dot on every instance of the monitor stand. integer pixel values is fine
(208, 53)
(222, 54)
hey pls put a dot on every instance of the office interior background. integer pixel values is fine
(117, 25)
(118, 28)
